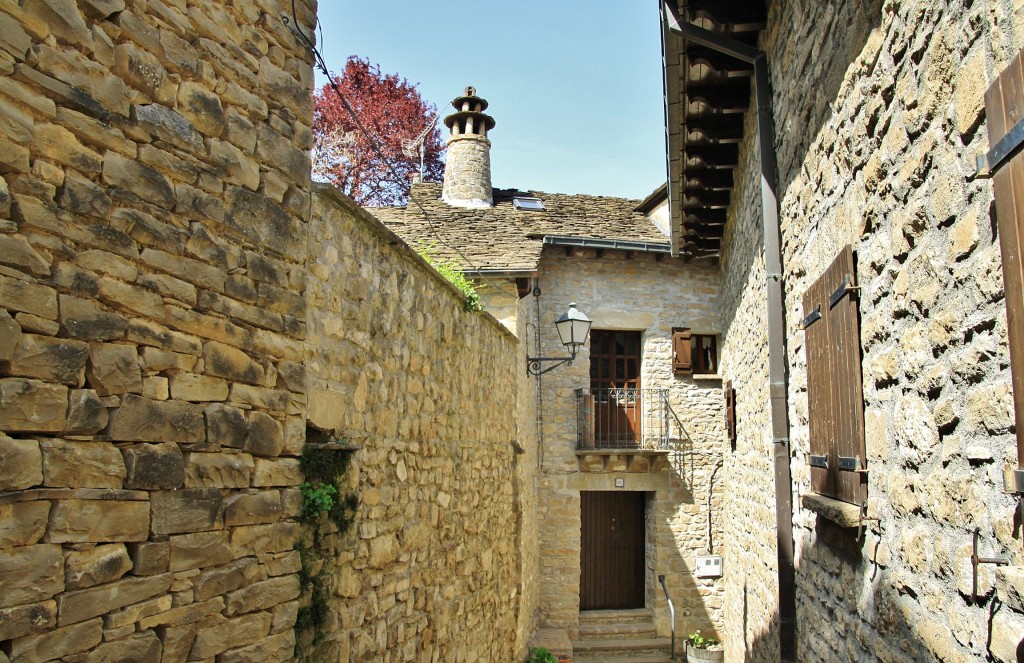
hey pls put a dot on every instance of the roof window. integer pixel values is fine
(528, 203)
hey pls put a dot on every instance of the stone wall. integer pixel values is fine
(431, 569)
(876, 139)
(154, 185)
(652, 296)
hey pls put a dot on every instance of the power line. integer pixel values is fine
(322, 66)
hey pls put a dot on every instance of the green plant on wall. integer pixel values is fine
(451, 271)
(327, 515)
(541, 655)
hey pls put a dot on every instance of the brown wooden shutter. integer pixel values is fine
(1004, 108)
(834, 388)
(682, 351)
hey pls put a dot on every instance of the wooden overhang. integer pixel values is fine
(707, 96)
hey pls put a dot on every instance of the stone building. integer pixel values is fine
(824, 156)
(626, 441)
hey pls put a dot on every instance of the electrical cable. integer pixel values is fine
(322, 66)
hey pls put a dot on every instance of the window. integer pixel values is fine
(528, 203)
(694, 354)
(834, 391)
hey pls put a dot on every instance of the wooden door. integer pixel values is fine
(615, 384)
(612, 550)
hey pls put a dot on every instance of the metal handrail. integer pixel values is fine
(672, 614)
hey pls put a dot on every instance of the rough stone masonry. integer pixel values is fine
(154, 191)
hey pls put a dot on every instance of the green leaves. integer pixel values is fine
(450, 269)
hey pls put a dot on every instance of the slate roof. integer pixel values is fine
(503, 238)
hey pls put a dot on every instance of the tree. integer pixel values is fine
(393, 114)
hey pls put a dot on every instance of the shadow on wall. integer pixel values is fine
(891, 623)
(804, 86)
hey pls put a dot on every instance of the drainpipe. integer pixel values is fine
(776, 317)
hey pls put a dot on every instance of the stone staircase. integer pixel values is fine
(620, 636)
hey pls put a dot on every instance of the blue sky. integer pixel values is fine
(574, 87)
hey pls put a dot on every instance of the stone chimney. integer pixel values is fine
(467, 170)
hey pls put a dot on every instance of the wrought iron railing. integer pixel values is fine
(622, 419)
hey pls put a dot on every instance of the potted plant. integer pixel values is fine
(702, 650)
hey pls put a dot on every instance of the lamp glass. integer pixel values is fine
(573, 328)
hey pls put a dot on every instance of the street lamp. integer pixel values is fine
(573, 328)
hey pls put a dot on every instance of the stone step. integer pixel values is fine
(627, 658)
(601, 631)
(621, 649)
(615, 616)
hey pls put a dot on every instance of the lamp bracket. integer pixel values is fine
(533, 364)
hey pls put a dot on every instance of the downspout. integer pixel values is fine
(776, 316)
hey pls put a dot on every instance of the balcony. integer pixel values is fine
(622, 419)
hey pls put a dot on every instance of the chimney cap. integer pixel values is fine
(469, 95)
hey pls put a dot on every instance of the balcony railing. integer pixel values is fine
(622, 418)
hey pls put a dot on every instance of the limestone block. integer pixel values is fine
(30, 574)
(145, 420)
(131, 297)
(199, 550)
(87, 413)
(23, 523)
(63, 19)
(139, 179)
(283, 301)
(177, 642)
(17, 252)
(285, 616)
(238, 168)
(140, 70)
(10, 335)
(114, 369)
(226, 425)
(229, 362)
(262, 595)
(273, 473)
(18, 295)
(276, 648)
(154, 466)
(33, 324)
(293, 374)
(98, 521)
(274, 400)
(27, 619)
(186, 269)
(223, 579)
(21, 464)
(51, 359)
(168, 125)
(13, 39)
(218, 470)
(278, 152)
(149, 558)
(257, 539)
(326, 409)
(383, 551)
(241, 631)
(197, 388)
(145, 646)
(252, 509)
(95, 566)
(54, 142)
(169, 287)
(265, 436)
(13, 157)
(79, 605)
(284, 88)
(186, 510)
(262, 221)
(202, 108)
(55, 644)
(68, 464)
(990, 407)
(156, 360)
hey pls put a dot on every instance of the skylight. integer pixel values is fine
(527, 203)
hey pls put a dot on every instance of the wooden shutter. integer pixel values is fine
(1004, 109)
(682, 351)
(834, 389)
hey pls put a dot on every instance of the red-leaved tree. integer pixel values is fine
(394, 115)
